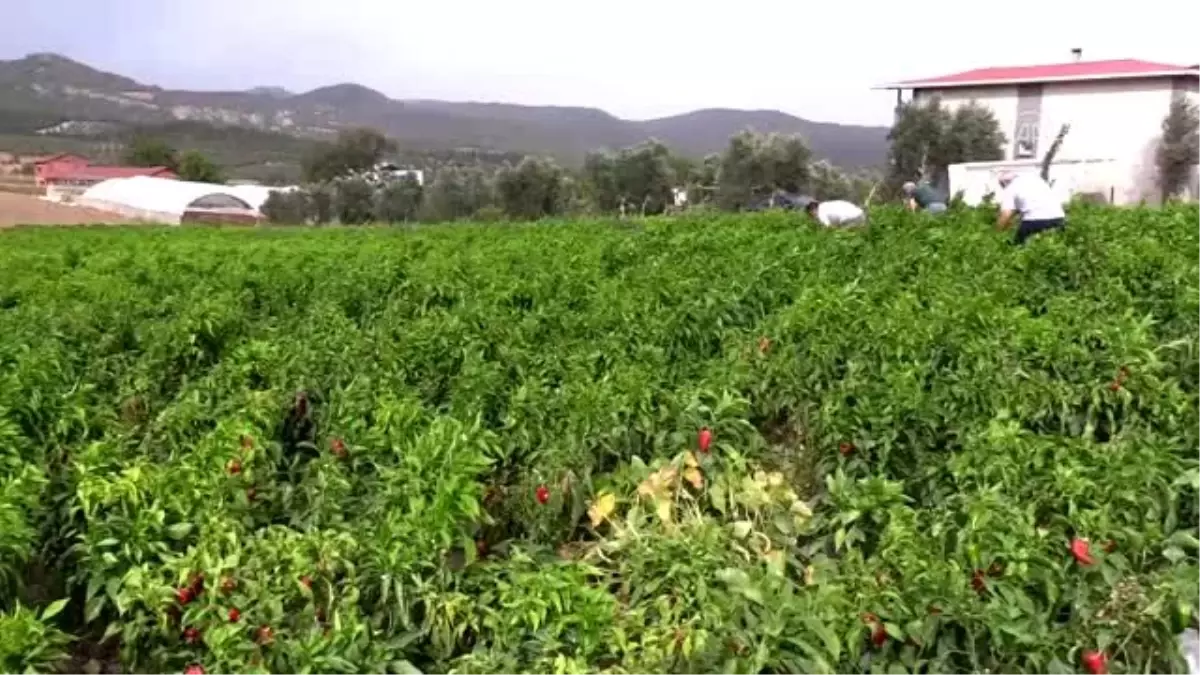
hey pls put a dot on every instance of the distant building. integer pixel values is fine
(1114, 108)
(388, 171)
(65, 176)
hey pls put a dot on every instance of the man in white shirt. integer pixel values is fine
(836, 213)
(1040, 208)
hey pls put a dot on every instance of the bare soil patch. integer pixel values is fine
(17, 209)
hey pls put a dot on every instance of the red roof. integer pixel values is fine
(106, 172)
(1057, 72)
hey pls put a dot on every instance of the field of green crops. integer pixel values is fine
(716, 443)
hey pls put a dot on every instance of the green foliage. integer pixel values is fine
(398, 201)
(755, 166)
(354, 151)
(150, 151)
(354, 201)
(195, 166)
(533, 189)
(1179, 146)
(636, 180)
(927, 138)
(457, 192)
(293, 207)
(477, 448)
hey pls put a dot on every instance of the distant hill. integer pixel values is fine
(54, 87)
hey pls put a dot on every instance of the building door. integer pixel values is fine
(1028, 124)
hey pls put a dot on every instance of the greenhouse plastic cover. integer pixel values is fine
(153, 195)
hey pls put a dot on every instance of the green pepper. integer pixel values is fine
(1181, 616)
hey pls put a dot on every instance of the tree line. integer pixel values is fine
(644, 179)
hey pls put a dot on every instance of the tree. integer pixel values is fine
(638, 179)
(150, 151)
(354, 201)
(321, 202)
(289, 207)
(399, 201)
(355, 150)
(195, 166)
(532, 189)
(457, 192)
(756, 165)
(1178, 147)
(927, 138)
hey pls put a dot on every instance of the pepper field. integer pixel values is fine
(714, 443)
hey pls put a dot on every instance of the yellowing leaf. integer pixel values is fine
(741, 529)
(775, 562)
(810, 575)
(694, 477)
(663, 507)
(690, 460)
(602, 508)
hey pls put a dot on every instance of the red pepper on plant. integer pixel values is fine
(185, 595)
(1095, 662)
(1082, 550)
(977, 582)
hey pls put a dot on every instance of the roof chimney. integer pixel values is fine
(1076, 54)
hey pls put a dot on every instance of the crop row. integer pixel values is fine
(731, 443)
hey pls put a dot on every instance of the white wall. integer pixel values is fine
(1118, 120)
(1067, 177)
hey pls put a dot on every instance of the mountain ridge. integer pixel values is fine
(55, 84)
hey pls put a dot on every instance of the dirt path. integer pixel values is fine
(17, 209)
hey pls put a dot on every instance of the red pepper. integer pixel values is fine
(191, 635)
(846, 448)
(185, 595)
(1095, 662)
(234, 615)
(194, 669)
(1082, 550)
(542, 494)
(704, 439)
(977, 581)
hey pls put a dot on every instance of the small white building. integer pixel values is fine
(1115, 110)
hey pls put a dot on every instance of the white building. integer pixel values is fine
(1115, 110)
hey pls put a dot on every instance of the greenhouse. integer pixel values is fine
(170, 201)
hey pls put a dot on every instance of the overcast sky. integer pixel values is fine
(634, 58)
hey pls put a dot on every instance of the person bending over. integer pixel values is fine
(1030, 196)
(923, 197)
(836, 213)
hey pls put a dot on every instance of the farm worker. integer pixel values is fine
(836, 213)
(1039, 207)
(923, 196)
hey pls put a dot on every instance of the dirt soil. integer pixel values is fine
(17, 209)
